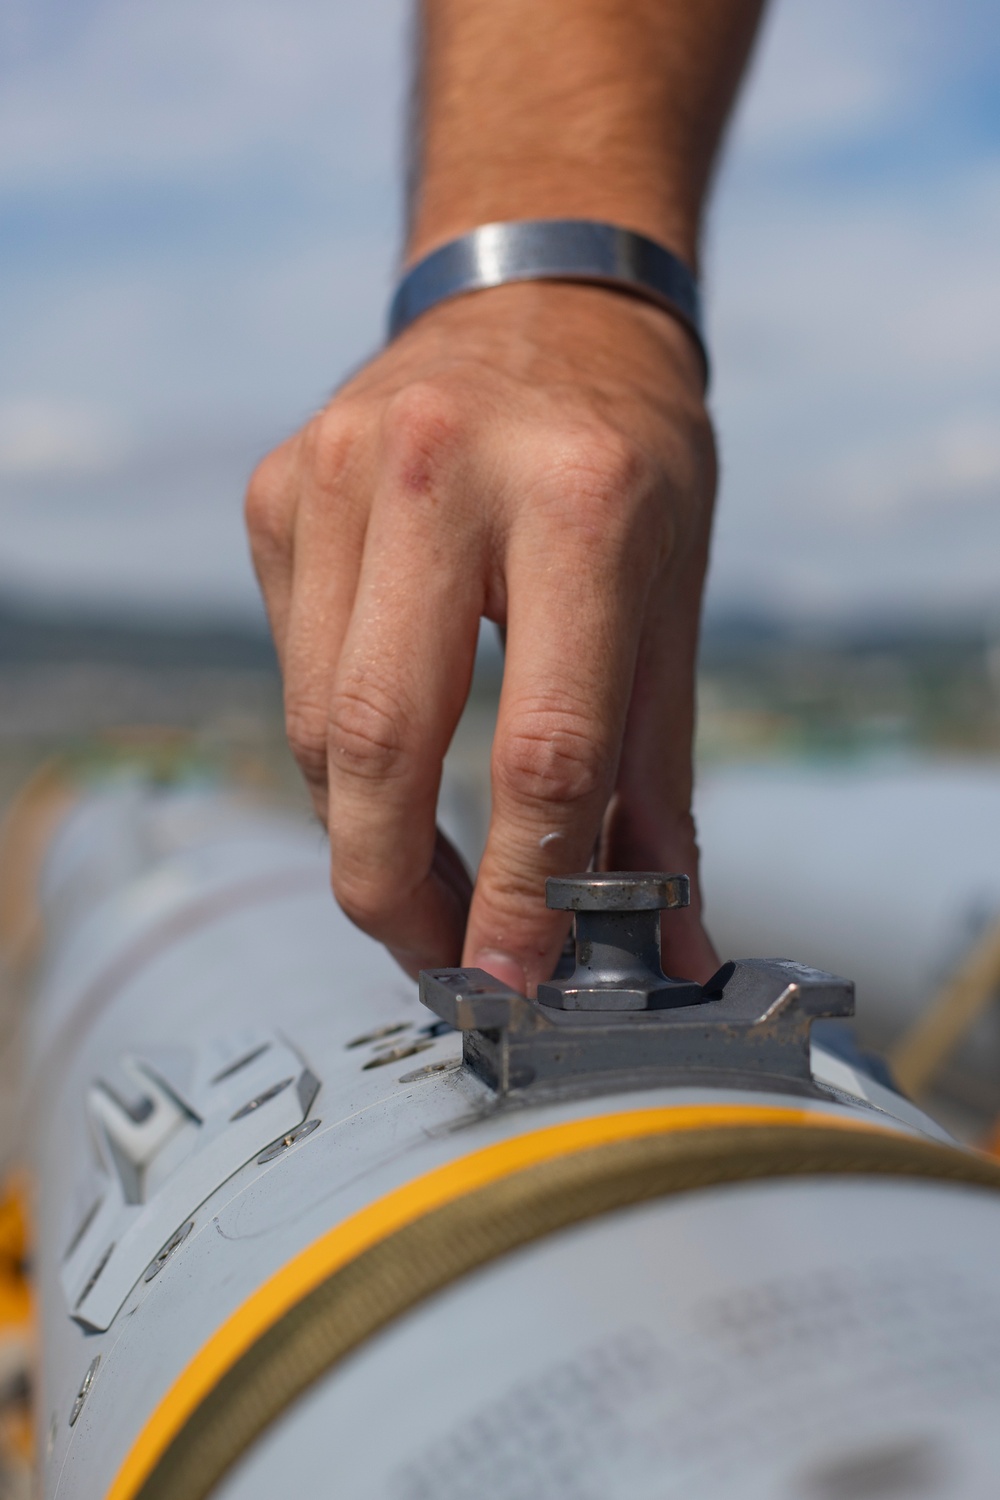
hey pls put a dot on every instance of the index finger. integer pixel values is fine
(400, 683)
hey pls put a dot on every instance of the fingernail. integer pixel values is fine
(502, 966)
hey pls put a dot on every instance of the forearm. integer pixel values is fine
(603, 109)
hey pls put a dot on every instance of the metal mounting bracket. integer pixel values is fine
(627, 1024)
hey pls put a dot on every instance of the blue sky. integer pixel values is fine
(198, 224)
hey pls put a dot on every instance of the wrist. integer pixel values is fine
(445, 210)
(542, 329)
(556, 251)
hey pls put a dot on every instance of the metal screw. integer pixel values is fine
(177, 1238)
(241, 1062)
(84, 1390)
(82, 1227)
(277, 1147)
(429, 1070)
(396, 1054)
(94, 1276)
(264, 1098)
(376, 1035)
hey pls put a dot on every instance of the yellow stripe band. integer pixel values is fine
(381, 1219)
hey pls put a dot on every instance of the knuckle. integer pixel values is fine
(615, 462)
(512, 898)
(423, 427)
(329, 440)
(551, 756)
(265, 508)
(305, 730)
(364, 737)
(367, 901)
(329, 444)
(373, 892)
(602, 466)
(598, 483)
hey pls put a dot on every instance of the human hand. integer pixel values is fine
(538, 454)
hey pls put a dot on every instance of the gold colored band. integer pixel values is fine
(417, 1240)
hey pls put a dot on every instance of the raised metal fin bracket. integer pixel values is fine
(618, 1014)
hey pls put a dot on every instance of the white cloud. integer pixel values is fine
(899, 286)
(833, 74)
(947, 467)
(968, 455)
(260, 334)
(43, 439)
(856, 333)
(165, 528)
(134, 91)
(820, 74)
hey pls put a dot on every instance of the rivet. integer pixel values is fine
(94, 1276)
(393, 1029)
(264, 1098)
(177, 1238)
(84, 1390)
(277, 1147)
(407, 1049)
(451, 1065)
(241, 1062)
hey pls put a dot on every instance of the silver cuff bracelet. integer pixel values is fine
(551, 250)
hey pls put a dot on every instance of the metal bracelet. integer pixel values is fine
(551, 250)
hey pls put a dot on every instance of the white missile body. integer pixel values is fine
(888, 871)
(241, 1116)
